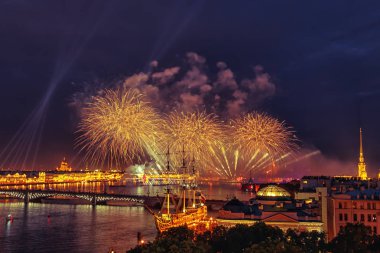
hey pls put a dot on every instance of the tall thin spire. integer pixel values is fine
(361, 155)
(362, 173)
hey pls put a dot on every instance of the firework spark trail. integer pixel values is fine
(215, 164)
(236, 155)
(303, 157)
(259, 131)
(119, 126)
(198, 133)
(259, 163)
(269, 162)
(226, 159)
(257, 141)
(251, 159)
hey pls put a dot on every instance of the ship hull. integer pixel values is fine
(191, 218)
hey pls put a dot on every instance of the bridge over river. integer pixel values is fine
(92, 197)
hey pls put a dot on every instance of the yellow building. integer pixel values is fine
(64, 166)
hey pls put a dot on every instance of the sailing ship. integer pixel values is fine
(189, 210)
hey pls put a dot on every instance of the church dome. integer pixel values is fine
(273, 191)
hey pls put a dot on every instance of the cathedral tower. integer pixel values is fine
(362, 173)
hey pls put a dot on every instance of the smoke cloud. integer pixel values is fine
(195, 86)
(310, 161)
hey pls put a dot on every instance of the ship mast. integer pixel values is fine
(194, 183)
(167, 197)
(184, 183)
(167, 161)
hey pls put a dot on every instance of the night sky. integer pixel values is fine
(322, 56)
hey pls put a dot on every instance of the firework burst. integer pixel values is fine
(256, 142)
(261, 132)
(119, 126)
(198, 133)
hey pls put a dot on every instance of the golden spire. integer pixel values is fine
(362, 173)
(361, 155)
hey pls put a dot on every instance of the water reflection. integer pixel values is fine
(72, 228)
(86, 228)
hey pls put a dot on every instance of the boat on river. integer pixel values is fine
(191, 213)
(189, 210)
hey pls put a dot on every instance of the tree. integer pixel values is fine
(262, 232)
(174, 240)
(310, 242)
(273, 246)
(243, 236)
(218, 238)
(260, 238)
(179, 233)
(353, 238)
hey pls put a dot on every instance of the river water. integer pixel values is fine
(85, 228)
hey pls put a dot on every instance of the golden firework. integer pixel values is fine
(256, 131)
(255, 142)
(198, 133)
(119, 126)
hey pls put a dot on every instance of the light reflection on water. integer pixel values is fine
(84, 228)
(72, 228)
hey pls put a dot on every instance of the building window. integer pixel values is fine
(375, 230)
(355, 217)
(340, 217)
(361, 206)
(345, 205)
(345, 217)
(368, 205)
(354, 205)
(362, 217)
(374, 217)
(369, 217)
(340, 205)
(374, 206)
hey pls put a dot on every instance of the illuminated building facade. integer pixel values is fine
(22, 178)
(354, 206)
(64, 166)
(58, 177)
(62, 174)
(274, 206)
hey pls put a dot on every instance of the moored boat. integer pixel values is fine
(193, 216)
(190, 209)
